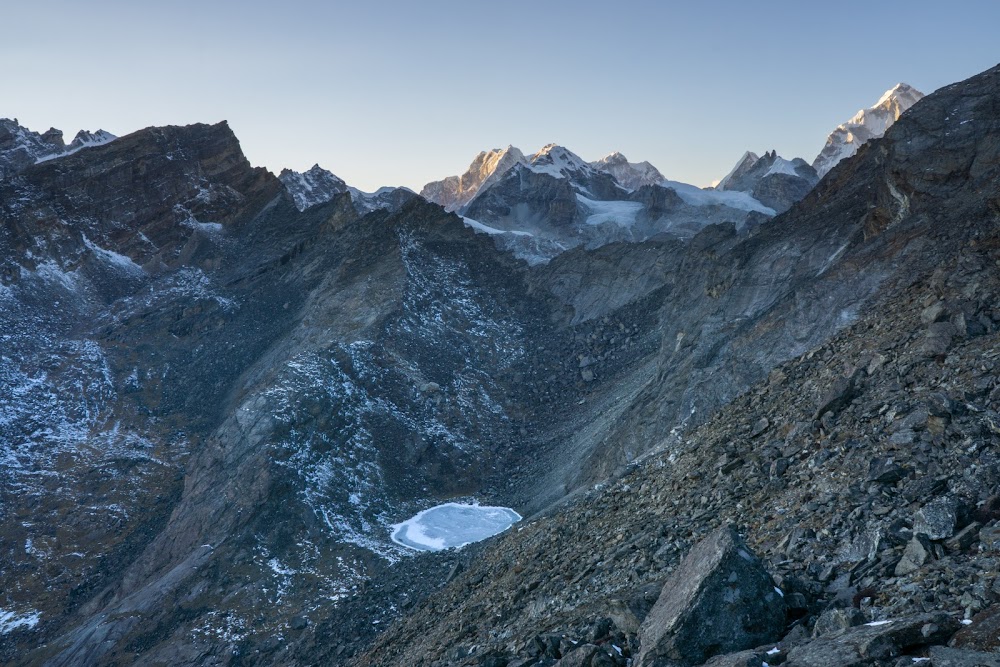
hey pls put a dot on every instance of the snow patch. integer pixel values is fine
(781, 166)
(113, 258)
(480, 227)
(10, 620)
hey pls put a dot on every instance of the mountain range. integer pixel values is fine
(220, 389)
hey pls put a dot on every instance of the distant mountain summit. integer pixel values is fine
(540, 205)
(771, 179)
(318, 186)
(454, 192)
(630, 175)
(867, 124)
(312, 187)
(21, 148)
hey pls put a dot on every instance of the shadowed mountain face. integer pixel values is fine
(217, 394)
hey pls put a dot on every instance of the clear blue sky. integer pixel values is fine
(399, 93)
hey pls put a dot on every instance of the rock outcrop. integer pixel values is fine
(720, 599)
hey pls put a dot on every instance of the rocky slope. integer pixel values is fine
(863, 470)
(240, 388)
(245, 396)
(864, 126)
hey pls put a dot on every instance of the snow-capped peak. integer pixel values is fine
(865, 125)
(903, 92)
(85, 139)
(454, 192)
(312, 187)
(630, 175)
(20, 147)
(318, 186)
(557, 161)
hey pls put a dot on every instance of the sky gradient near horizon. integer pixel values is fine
(385, 92)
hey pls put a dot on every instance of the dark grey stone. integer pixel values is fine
(937, 519)
(864, 645)
(740, 659)
(720, 599)
(942, 656)
(916, 554)
(836, 620)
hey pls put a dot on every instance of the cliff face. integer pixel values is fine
(243, 396)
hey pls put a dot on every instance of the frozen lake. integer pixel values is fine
(452, 525)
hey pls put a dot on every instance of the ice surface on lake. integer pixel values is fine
(452, 525)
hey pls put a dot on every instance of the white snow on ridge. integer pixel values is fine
(620, 212)
(695, 196)
(452, 525)
(480, 227)
(84, 139)
(113, 258)
(557, 161)
(782, 166)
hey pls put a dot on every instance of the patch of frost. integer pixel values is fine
(10, 620)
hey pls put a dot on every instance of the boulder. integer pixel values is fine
(938, 339)
(740, 659)
(628, 613)
(865, 644)
(836, 620)
(942, 656)
(917, 552)
(586, 655)
(937, 519)
(983, 634)
(839, 395)
(720, 599)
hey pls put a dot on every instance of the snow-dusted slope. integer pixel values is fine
(560, 162)
(866, 125)
(630, 175)
(318, 186)
(770, 179)
(20, 147)
(454, 192)
(312, 187)
(87, 139)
